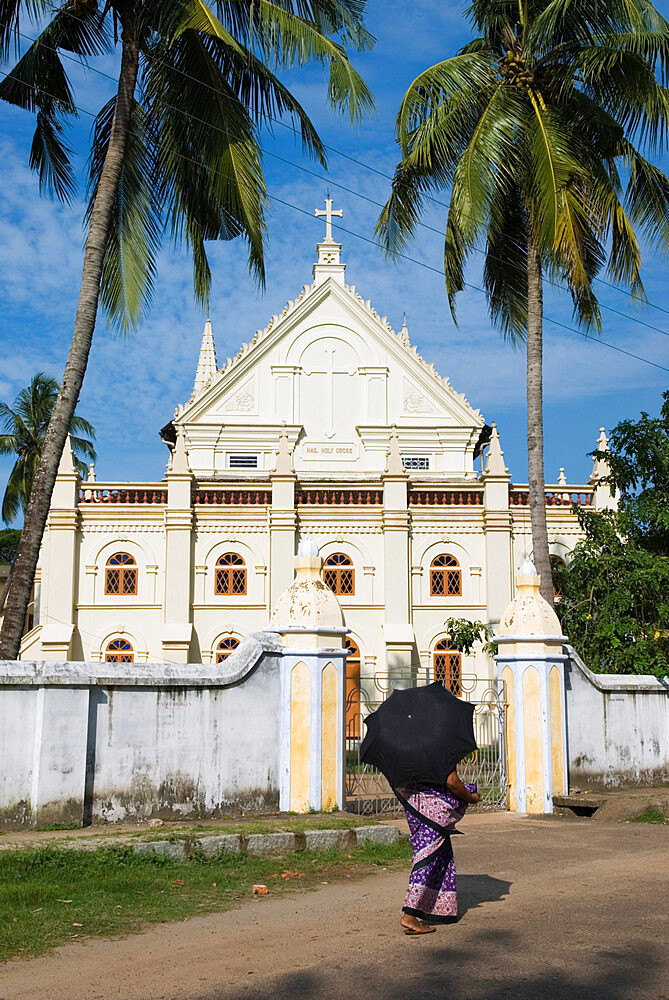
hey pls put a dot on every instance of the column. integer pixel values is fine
(58, 596)
(497, 530)
(177, 630)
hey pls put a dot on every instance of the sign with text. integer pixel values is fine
(330, 451)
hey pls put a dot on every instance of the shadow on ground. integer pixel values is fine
(443, 972)
(476, 889)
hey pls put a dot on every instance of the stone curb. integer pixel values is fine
(263, 845)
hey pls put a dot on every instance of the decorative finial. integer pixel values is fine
(179, 456)
(495, 461)
(307, 547)
(67, 465)
(284, 459)
(394, 463)
(600, 467)
(329, 213)
(562, 481)
(91, 474)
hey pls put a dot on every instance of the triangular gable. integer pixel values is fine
(425, 393)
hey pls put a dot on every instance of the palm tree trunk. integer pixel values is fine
(27, 553)
(535, 420)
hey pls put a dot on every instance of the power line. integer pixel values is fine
(367, 166)
(394, 253)
(343, 187)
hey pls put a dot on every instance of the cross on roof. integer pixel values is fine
(328, 213)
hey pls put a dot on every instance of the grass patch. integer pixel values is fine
(50, 895)
(650, 815)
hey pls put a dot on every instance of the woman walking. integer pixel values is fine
(432, 813)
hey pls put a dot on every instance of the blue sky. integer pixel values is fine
(133, 384)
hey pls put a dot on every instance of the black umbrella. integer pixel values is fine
(419, 735)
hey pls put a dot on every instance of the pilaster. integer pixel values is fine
(397, 630)
(282, 522)
(63, 526)
(497, 529)
(177, 629)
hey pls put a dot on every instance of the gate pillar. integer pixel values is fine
(530, 670)
(309, 620)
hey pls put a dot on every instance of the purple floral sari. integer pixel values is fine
(432, 814)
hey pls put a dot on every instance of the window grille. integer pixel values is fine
(352, 690)
(339, 574)
(121, 575)
(119, 651)
(419, 463)
(445, 577)
(225, 647)
(242, 461)
(447, 666)
(230, 575)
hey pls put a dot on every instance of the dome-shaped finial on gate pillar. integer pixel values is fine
(530, 673)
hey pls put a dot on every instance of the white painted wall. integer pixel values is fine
(114, 742)
(617, 727)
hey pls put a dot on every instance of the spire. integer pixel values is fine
(206, 365)
(495, 462)
(600, 467)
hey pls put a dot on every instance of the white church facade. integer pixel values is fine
(327, 423)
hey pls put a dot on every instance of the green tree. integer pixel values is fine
(25, 424)
(538, 125)
(614, 602)
(175, 151)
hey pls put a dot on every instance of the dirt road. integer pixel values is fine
(550, 909)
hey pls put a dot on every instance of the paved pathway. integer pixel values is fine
(550, 910)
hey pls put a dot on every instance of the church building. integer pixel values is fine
(327, 423)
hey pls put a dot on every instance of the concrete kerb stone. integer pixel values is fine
(272, 844)
(325, 840)
(228, 843)
(376, 834)
(264, 845)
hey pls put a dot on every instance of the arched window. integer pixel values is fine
(445, 577)
(352, 690)
(121, 575)
(339, 575)
(225, 647)
(119, 651)
(231, 575)
(556, 563)
(447, 665)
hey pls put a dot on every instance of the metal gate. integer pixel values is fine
(368, 792)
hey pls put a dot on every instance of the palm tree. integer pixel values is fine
(25, 424)
(174, 151)
(538, 125)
